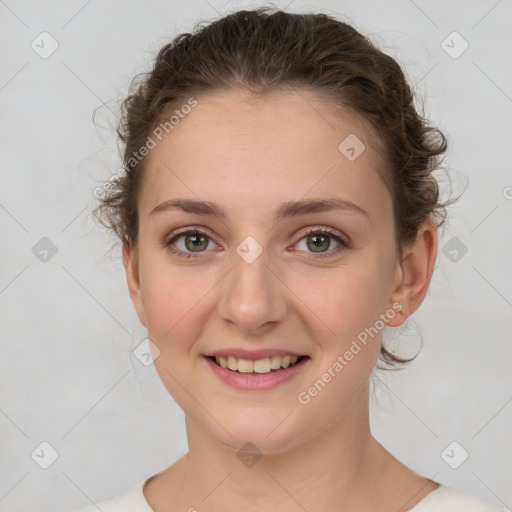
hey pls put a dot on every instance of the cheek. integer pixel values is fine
(344, 303)
(175, 303)
(175, 306)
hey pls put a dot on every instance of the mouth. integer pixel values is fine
(265, 365)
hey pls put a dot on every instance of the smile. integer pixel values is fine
(263, 374)
(264, 365)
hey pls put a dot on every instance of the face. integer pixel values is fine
(251, 283)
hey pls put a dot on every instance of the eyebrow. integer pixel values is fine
(287, 209)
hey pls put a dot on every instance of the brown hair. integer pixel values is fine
(264, 50)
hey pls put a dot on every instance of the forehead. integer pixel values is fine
(283, 145)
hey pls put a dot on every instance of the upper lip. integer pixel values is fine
(241, 353)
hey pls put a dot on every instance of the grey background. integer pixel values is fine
(67, 373)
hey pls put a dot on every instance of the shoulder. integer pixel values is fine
(447, 499)
(131, 500)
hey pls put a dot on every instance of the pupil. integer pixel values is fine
(317, 241)
(197, 241)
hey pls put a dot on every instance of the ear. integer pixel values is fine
(414, 273)
(131, 266)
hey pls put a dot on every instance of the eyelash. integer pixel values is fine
(344, 243)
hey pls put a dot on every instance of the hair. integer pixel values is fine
(266, 50)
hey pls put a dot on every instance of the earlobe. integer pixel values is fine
(131, 266)
(415, 272)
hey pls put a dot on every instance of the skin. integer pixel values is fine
(250, 156)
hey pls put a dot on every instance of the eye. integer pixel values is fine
(191, 242)
(188, 242)
(319, 241)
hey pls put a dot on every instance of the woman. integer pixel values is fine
(278, 211)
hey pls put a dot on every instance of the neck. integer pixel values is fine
(342, 465)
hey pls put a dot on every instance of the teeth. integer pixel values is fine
(245, 366)
(275, 362)
(262, 365)
(259, 365)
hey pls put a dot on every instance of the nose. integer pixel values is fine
(254, 297)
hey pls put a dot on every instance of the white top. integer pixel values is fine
(442, 499)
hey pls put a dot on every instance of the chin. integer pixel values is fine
(264, 435)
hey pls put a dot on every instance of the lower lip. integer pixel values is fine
(256, 382)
